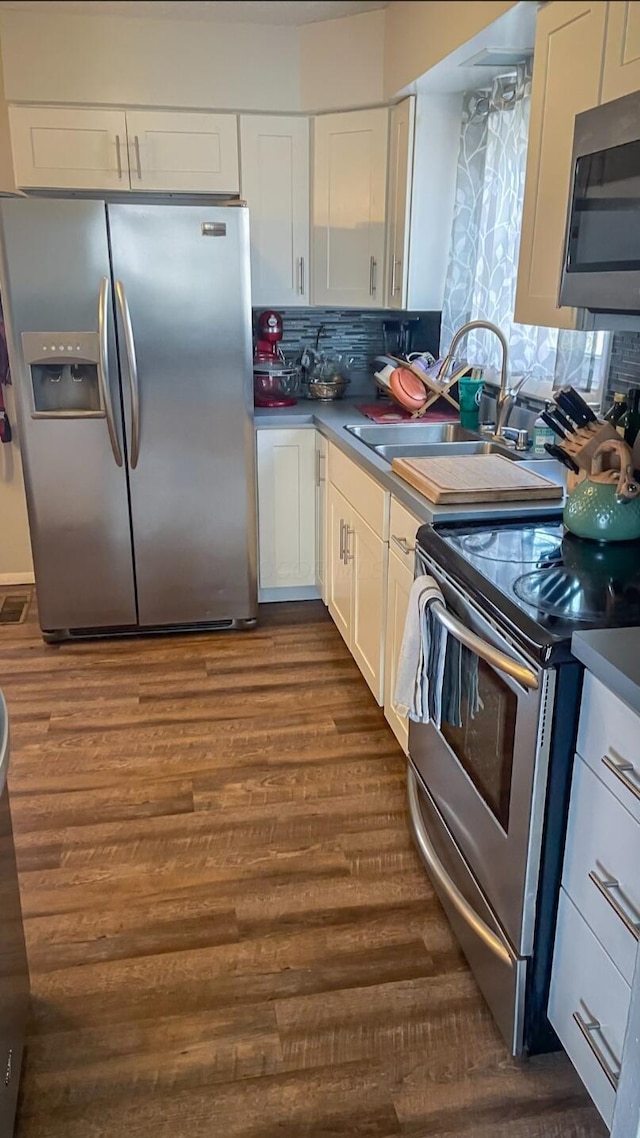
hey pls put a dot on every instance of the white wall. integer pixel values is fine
(68, 58)
(342, 62)
(419, 33)
(16, 565)
(61, 57)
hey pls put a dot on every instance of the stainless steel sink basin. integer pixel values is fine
(376, 434)
(426, 440)
(430, 450)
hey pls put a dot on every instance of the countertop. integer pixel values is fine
(613, 656)
(331, 419)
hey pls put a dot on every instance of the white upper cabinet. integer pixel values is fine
(349, 191)
(567, 69)
(275, 184)
(621, 74)
(93, 149)
(177, 150)
(400, 180)
(68, 148)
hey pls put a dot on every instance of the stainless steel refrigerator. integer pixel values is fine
(129, 331)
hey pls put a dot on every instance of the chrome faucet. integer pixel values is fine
(506, 396)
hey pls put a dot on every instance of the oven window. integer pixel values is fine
(604, 235)
(483, 735)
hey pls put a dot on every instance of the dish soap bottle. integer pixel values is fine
(541, 434)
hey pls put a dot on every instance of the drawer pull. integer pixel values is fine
(403, 544)
(621, 769)
(631, 920)
(591, 1029)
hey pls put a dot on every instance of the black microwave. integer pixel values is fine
(601, 266)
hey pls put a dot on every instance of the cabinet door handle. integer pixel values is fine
(403, 544)
(591, 1029)
(347, 534)
(342, 540)
(136, 147)
(395, 264)
(118, 156)
(621, 769)
(606, 886)
(301, 277)
(373, 267)
(319, 471)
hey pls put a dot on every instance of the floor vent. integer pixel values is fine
(13, 609)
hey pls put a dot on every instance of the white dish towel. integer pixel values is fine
(420, 675)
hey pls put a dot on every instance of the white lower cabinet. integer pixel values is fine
(357, 564)
(595, 954)
(321, 515)
(286, 466)
(588, 1005)
(399, 582)
(339, 571)
(367, 555)
(403, 527)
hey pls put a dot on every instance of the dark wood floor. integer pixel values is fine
(229, 931)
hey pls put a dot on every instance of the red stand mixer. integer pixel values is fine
(275, 383)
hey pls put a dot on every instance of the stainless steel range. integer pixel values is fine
(488, 790)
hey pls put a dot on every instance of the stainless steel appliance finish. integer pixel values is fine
(142, 513)
(14, 972)
(500, 972)
(377, 434)
(432, 450)
(488, 777)
(601, 267)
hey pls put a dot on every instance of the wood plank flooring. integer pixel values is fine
(229, 931)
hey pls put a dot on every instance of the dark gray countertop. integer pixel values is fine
(331, 419)
(613, 655)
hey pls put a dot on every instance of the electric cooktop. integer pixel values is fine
(542, 581)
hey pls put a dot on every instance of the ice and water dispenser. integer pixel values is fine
(65, 381)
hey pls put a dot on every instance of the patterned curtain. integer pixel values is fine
(481, 278)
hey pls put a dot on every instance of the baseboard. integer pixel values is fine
(296, 593)
(24, 578)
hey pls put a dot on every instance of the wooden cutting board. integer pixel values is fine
(474, 478)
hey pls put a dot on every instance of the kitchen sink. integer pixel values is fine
(431, 450)
(387, 434)
(427, 440)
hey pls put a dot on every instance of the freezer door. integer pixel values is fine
(184, 319)
(56, 279)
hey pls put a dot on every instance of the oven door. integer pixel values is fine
(487, 771)
(601, 270)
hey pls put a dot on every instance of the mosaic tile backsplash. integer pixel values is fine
(360, 333)
(624, 368)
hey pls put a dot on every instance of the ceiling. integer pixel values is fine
(224, 11)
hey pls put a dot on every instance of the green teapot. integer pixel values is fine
(605, 506)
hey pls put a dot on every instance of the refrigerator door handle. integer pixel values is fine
(103, 370)
(130, 348)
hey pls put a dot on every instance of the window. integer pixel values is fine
(482, 272)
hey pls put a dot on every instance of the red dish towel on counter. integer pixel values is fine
(387, 412)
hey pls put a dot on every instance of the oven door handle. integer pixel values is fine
(440, 875)
(484, 650)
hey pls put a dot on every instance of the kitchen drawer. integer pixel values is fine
(586, 985)
(609, 741)
(403, 527)
(603, 847)
(361, 491)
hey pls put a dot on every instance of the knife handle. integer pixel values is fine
(562, 456)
